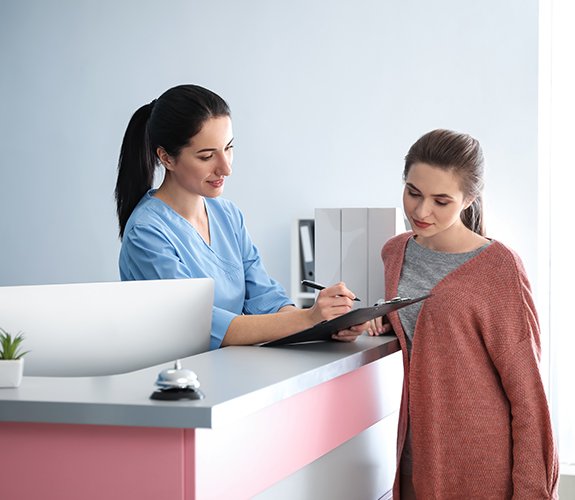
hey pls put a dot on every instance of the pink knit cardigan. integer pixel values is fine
(477, 407)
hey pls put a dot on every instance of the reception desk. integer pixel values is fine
(310, 421)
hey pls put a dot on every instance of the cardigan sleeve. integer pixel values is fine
(535, 461)
(535, 464)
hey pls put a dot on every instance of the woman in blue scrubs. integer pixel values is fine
(184, 229)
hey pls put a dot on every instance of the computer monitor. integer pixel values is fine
(90, 329)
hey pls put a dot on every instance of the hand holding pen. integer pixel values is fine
(332, 302)
(317, 286)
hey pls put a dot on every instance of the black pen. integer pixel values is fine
(317, 286)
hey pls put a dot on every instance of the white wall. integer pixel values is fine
(326, 100)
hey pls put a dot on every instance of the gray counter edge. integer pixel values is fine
(262, 377)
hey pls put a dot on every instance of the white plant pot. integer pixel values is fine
(11, 371)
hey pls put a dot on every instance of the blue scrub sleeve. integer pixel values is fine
(147, 255)
(264, 295)
(221, 320)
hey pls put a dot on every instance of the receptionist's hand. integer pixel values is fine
(351, 334)
(379, 326)
(332, 302)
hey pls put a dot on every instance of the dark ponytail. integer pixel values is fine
(461, 154)
(168, 122)
(136, 165)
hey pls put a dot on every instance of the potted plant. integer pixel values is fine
(11, 359)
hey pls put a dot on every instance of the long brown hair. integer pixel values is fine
(461, 154)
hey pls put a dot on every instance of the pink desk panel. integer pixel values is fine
(90, 462)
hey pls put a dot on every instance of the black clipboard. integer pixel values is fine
(325, 329)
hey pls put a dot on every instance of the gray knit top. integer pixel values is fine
(422, 270)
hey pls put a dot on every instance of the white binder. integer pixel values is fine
(348, 244)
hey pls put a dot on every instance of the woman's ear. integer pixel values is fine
(165, 158)
(468, 202)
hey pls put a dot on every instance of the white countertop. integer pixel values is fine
(236, 381)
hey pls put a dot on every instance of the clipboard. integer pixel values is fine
(325, 329)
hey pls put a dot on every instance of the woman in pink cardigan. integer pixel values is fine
(474, 420)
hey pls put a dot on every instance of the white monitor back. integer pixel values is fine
(89, 329)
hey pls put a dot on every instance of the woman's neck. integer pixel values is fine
(458, 239)
(190, 206)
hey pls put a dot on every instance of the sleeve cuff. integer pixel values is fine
(221, 320)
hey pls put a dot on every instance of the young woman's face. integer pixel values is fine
(202, 166)
(433, 201)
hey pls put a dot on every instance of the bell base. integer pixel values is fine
(177, 394)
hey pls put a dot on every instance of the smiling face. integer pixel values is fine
(433, 202)
(202, 166)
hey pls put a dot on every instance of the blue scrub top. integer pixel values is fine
(158, 243)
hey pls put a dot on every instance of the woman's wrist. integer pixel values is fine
(314, 315)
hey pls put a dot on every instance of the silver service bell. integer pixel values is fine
(177, 383)
(177, 378)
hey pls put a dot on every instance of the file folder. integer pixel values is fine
(307, 250)
(325, 329)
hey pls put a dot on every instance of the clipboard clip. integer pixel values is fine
(394, 300)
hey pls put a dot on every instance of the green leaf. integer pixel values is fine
(10, 346)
